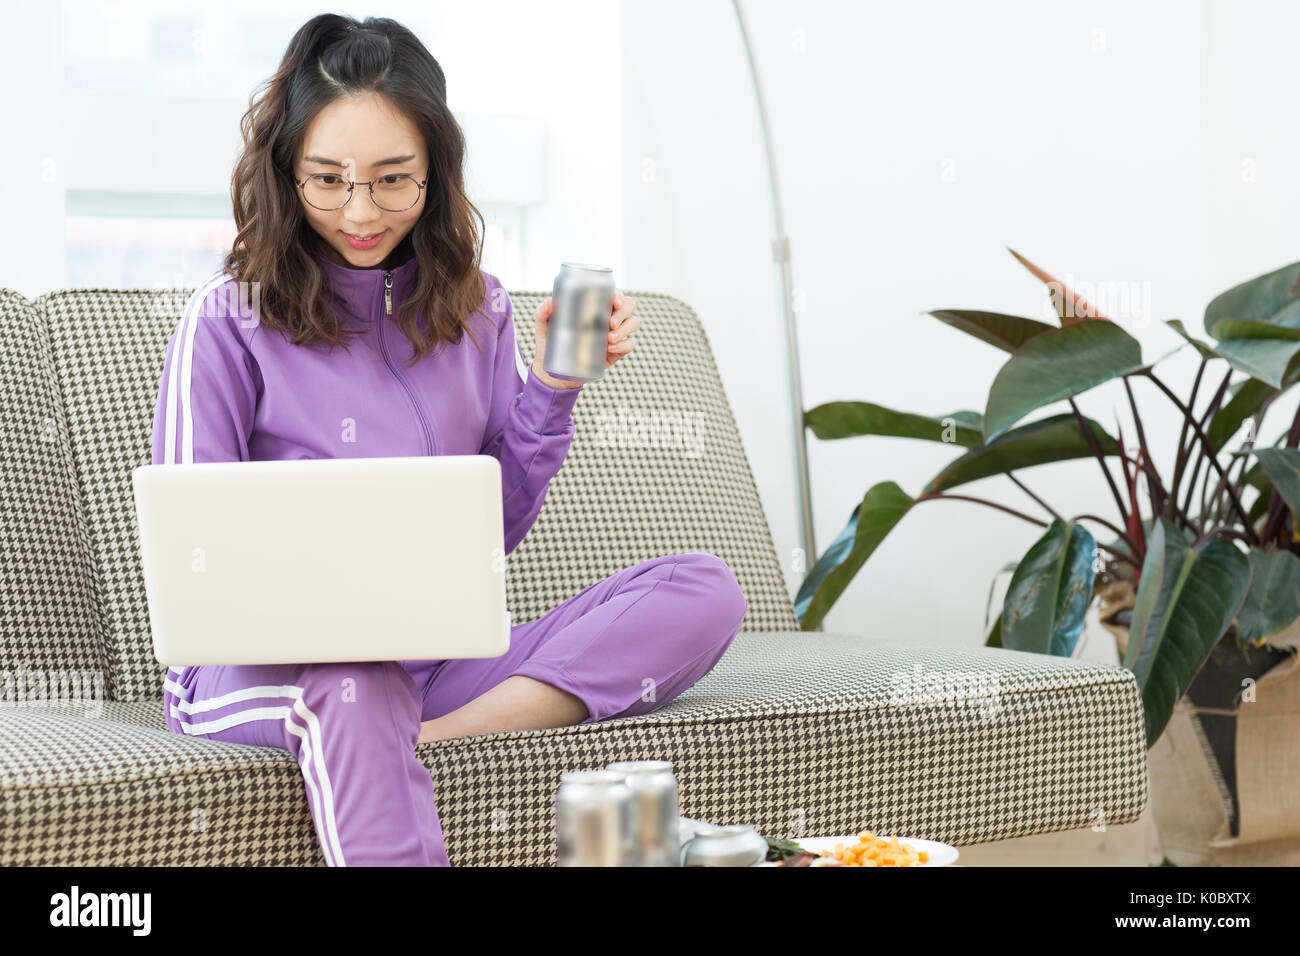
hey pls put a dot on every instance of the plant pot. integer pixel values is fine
(1115, 607)
(1225, 773)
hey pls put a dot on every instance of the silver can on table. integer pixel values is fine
(593, 811)
(738, 844)
(577, 335)
(656, 840)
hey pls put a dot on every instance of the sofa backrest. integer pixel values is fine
(656, 465)
(50, 625)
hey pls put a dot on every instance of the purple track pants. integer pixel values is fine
(624, 646)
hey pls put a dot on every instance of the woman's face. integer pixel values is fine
(357, 139)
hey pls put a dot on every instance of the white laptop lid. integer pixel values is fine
(334, 559)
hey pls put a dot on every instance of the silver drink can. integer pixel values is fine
(656, 839)
(593, 811)
(736, 845)
(577, 335)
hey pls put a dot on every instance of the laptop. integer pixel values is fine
(315, 560)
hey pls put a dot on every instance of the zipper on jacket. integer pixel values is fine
(383, 350)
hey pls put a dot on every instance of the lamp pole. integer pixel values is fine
(781, 257)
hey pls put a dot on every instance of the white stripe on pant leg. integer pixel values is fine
(243, 693)
(183, 350)
(312, 738)
(177, 689)
(330, 836)
(172, 684)
(265, 712)
(327, 789)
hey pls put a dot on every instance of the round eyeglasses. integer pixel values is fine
(396, 192)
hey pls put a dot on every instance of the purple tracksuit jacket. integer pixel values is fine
(234, 391)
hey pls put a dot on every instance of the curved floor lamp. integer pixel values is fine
(781, 256)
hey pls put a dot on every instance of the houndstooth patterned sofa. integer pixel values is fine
(800, 733)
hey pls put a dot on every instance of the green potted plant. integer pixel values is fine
(1201, 561)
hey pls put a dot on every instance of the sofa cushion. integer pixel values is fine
(800, 733)
(50, 625)
(656, 465)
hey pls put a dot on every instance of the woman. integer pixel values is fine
(354, 231)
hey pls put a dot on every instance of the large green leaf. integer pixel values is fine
(1234, 328)
(1272, 297)
(1263, 350)
(881, 508)
(1265, 359)
(1007, 332)
(1283, 466)
(1057, 365)
(1058, 438)
(851, 419)
(1048, 597)
(1185, 602)
(1273, 600)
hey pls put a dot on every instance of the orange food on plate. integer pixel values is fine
(871, 850)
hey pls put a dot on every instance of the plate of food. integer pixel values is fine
(861, 849)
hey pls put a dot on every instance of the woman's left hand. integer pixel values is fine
(622, 323)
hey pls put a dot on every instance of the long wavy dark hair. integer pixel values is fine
(332, 56)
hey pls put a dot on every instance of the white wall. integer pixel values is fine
(1105, 141)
